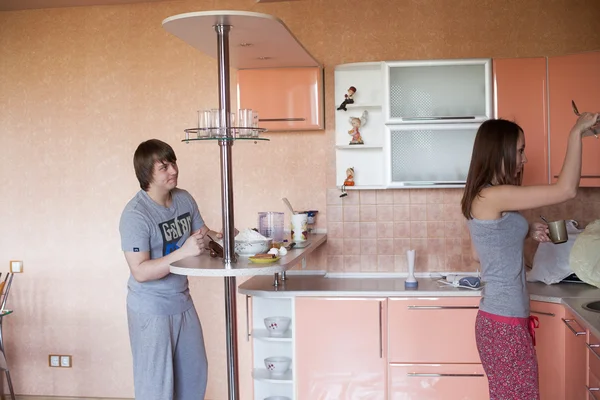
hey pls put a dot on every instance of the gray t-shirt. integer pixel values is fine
(499, 244)
(148, 226)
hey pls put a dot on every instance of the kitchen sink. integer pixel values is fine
(593, 306)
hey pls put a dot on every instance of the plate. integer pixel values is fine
(263, 260)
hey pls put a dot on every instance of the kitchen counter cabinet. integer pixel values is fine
(550, 347)
(574, 77)
(521, 97)
(575, 358)
(340, 348)
(421, 328)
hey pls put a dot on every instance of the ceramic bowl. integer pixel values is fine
(277, 326)
(277, 366)
(252, 247)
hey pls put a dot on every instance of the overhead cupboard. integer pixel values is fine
(422, 117)
(421, 120)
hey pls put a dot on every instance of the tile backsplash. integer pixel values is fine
(371, 230)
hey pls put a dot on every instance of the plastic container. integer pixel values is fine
(270, 224)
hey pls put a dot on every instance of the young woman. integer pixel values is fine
(491, 203)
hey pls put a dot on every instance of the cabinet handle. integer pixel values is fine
(591, 391)
(543, 313)
(566, 321)
(443, 307)
(435, 118)
(247, 320)
(281, 119)
(592, 347)
(417, 374)
(380, 330)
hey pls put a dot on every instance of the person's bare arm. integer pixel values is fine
(144, 269)
(510, 197)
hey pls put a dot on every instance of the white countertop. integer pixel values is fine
(204, 265)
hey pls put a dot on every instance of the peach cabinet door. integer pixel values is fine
(594, 359)
(285, 98)
(520, 85)
(550, 345)
(435, 330)
(437, 382)
(575, 358)
(340, 350)
(574, 77)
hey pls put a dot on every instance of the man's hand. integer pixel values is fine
(194, 245)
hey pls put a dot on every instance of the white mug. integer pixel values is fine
(299, 228)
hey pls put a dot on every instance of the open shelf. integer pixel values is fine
(263, 334)
(261, 374)
(358, 147)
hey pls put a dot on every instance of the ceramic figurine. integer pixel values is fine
(355, 131)
(348, 98)
(349, 177)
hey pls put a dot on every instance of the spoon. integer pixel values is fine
(576, 111)
(544, 219)
(287, 203)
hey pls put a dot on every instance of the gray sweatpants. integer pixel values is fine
(169, 359)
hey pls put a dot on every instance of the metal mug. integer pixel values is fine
(558, 231)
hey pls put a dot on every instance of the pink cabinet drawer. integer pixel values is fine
(437, 382)
(437, 330)
(593, 387)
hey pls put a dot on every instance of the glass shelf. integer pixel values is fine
(225, 138)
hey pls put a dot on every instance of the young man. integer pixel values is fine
(159, 226)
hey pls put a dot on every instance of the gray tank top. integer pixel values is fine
(499, 244)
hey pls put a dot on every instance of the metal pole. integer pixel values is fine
(227, 207)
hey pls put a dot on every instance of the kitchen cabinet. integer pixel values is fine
(593, 386)
(521, 96)
(575, 358)
(573, 77)
(340, 348)
(367, 159)
(437, 382)
(550, 347)
(421, 328)
(264, 345)
(287, 99)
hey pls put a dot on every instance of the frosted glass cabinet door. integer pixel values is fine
(340, 348)
(438, 91)
(430, 155)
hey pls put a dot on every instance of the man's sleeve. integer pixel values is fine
(135, 232)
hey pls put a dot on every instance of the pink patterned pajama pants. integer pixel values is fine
(506, 349)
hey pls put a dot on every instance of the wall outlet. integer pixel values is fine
(54, 360)
(65, 361)
(16, 266)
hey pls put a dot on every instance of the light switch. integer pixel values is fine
(16, 266)
(65, 361)
(54, 360)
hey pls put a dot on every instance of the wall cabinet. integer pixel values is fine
(437, 91)
(521, 96)
(574, 78)
(340, 348)
(287, 99)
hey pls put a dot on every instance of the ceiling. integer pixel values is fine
(12, 5)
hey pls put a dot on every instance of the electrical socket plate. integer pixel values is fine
(54, 360)
(16, 266)
(65, 361)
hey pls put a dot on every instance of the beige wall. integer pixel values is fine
(81, 87)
